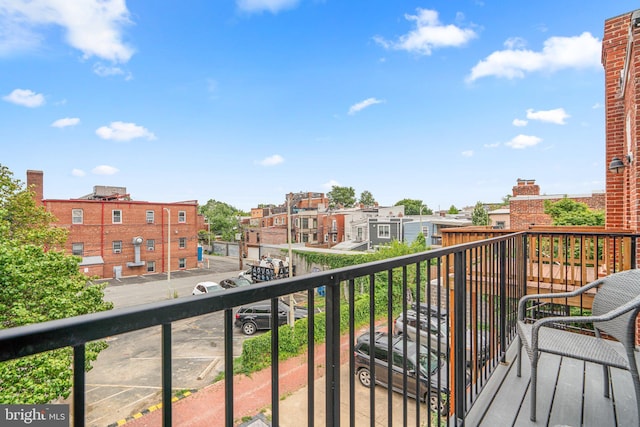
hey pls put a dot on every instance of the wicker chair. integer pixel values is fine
(615, 307)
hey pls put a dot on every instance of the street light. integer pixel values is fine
(169, 245)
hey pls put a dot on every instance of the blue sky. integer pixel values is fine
(243, 101)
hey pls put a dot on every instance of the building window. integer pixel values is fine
(77, 249)
(326, 238)
(305, 237)
(151, 266)
(182, 216)
(182, 242)
(500, 224)
(151, 245)
(182, 263)
(384, 231)
(334, 225)
(305, 222)
(116, 216)
(117, 246)
(334, 238)
(150, 217)
(77, 216)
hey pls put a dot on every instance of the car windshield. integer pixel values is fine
(429, 362)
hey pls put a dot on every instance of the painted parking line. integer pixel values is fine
(155, 407)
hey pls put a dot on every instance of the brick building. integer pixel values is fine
(117, 236)
(621, 61)
(526, 206)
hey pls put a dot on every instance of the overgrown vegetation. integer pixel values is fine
(256, 352)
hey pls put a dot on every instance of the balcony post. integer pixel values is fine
(166, 375)
(502, 259)
(460, 305)
(332, 353)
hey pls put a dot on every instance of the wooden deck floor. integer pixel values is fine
(570, 393)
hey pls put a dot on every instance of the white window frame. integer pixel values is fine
(384, 231)
(151, 217)
(77, 216)
(182, 263)
(151, 266)
(182, 242)
(182, 216)
(116, 246)
(118, 213)
(151, 244)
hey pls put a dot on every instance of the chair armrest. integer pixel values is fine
(579, 291)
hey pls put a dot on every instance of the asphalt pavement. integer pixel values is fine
(126, 378)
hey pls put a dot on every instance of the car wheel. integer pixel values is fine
(437, 403)
(365, 377)
(249, 328)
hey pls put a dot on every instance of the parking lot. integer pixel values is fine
(126, 378)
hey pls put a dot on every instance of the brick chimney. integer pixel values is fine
(526, 187)
(35, 182)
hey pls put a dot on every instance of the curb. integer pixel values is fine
(157, 406)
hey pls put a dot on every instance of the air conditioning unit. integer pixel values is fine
(150, 248)
(116, 251)
(149, 221)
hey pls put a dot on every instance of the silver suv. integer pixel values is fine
(434, 333)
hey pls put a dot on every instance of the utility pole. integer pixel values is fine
(168, 249)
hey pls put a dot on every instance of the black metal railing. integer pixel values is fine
(470, 293)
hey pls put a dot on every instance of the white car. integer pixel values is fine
(206, 288)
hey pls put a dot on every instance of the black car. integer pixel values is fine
(252, 317)
(430, 369)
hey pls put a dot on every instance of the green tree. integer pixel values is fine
(453, 210)
(569, 212)
(366, 198)
(341, 197)
(38, 282)
(223, 219)
(479, 216)
(412, 207)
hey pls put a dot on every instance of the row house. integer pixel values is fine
(116, 236)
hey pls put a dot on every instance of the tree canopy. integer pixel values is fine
(366, 198)
(341, 197)
(479, 216)
(412, 207)
(38, 282)
(223, 219)
(569, 212)
(453, 210)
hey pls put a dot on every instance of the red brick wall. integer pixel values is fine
(35, 183)
(97, 233)
(622, 97)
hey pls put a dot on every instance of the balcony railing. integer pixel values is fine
(471, 288)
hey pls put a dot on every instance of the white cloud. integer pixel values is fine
(523, 141)
(104, 170)
(25, 97)
(493, 145)
(467, 153)
(274, 160)
(78, 172)
(556, 116)
(92, 26)
(120, 131)
(364, 104)
(273, 6)
(519, 122)
(66, 122)
(109, 70)
(330, 184)
(558, 53)
(428, 34)
(515, 43)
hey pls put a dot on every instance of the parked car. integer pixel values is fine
(257, 316)
(206, 288)
(246, 274)
(435, 330)
(234, 282)
(422, 366)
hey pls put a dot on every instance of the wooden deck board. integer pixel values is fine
(570, 393)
